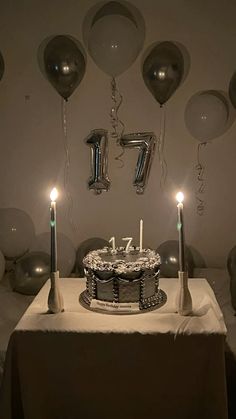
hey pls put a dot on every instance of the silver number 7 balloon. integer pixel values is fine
(98, 143)
(145, 142)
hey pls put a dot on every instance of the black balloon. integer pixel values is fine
(30, 273)
(64, 65)
(232, 90)
(169, 252)
(86, 246)
(163, 71)
(2, 66)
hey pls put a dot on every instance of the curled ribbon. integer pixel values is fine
(67, 164)
(161, 147)
(201, 180)
(116, 123)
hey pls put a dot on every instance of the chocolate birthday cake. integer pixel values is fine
(122, 282)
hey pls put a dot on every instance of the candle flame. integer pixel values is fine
(180, 196)
(53, 194)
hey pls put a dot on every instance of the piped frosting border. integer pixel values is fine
(148, 259)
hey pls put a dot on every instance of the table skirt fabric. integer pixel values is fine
(73, 365)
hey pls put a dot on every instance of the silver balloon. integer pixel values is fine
(99, 180)
(169, 252)
(145, 142)
(30, 273)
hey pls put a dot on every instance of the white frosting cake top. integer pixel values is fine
(120, 261)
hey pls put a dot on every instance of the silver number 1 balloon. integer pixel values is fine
(145, 142)
(99, 180)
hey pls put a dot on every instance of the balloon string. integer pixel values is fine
(117, 99)
(161, 147)
(116, 123)
(106, 164)
(67, 165)
(201, 180)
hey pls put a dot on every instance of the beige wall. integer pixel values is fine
(32, 155)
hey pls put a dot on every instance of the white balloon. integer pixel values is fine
(66, 252)
(2, 265)
(206, 115)
(114, 43)
(16, 232)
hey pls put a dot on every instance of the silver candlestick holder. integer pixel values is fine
(184, 299)
(55, 299)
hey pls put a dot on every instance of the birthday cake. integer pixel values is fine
(122, 282)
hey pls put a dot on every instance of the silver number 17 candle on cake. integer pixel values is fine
(122, 280)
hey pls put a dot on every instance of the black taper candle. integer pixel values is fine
(180, 226)
(53, 237)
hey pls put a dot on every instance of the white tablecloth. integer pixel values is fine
(81, 365)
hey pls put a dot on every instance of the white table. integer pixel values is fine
(81, 365)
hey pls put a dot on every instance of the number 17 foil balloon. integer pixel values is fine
(145, 142)
(97, 140)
